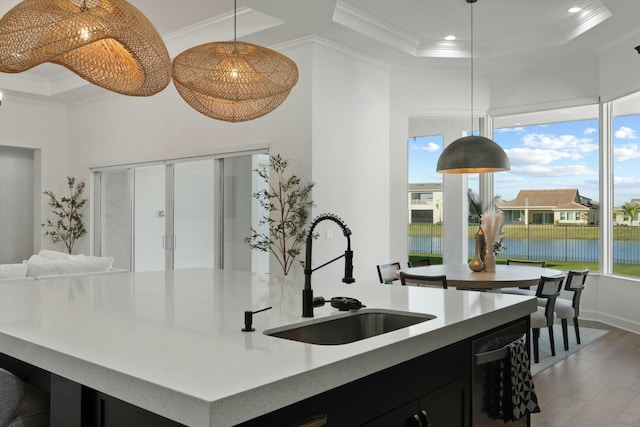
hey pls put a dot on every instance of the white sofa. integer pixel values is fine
(49, 263)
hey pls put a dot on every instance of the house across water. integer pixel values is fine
(559, 206)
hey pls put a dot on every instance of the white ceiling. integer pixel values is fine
(398, 32)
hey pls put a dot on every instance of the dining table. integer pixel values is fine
(460, 276)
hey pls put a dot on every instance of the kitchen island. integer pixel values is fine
(171, 342)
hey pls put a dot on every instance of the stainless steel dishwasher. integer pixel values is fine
(488, 350)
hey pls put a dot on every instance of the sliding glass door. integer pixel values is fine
(149, 239)
(113, 235)
(193, 210)
(180, 214)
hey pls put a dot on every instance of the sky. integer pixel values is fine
(550, 156)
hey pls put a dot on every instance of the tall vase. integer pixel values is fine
(481, 241)
(490, 262)
(476, 263)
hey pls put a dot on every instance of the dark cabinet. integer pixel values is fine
(437, 383)
(433, 390)
(446, 406)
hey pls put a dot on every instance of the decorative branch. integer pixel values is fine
(492, 226)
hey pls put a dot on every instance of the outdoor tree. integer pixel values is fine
(67, 226)
(476, 208)
(631, 209)
(287, 202)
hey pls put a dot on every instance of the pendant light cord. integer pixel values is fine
(472, 68)
(235, 8)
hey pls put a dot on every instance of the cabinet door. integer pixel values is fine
(447, 406)
(404, 416)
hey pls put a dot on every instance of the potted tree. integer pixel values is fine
(67, 226)
(287, 202)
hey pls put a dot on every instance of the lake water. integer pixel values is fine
(624, 252)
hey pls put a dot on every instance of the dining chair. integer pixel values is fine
(542, 264)
(549, 288)
(523, 290)
(387, 273)
(420, 263)
(421, 280)
(566, 309)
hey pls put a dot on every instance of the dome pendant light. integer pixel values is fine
(233, 81)
(473, 154)
(109, 43)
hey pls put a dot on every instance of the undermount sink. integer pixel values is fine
(349, 327)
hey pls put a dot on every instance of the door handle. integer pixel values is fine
(315, 421)
(425, 415)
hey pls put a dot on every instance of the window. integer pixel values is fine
(554, 164)
(626, 185)
(425, 195)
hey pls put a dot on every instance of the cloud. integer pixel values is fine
(431, 146)
(507, 179)
(625, 133)
(528, 156)
(506, 130)
(626, 152)
(550, 171)
(590, 131)
(625, 181)
(560, 142)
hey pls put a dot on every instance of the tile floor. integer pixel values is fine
(598, 386)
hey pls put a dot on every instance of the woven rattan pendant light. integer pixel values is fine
(233, 81)
(109, 43)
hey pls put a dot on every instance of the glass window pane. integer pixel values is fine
(626, 186)
(238, 213)
(115, 217)
(425, 196)
(149, 223)
(550, 195)
(193, 214)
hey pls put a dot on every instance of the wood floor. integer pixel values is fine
(598, 386)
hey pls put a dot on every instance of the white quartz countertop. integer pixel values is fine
(171, 342)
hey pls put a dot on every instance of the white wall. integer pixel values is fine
(43, 127)
(238, 174)
(16, 204)
(612, 300)
(543, 84)
(351, 166)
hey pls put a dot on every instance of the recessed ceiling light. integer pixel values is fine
(575, 9)
(450, 38)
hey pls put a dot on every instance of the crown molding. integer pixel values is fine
(219, 28)
(374, 28)
(592, 15)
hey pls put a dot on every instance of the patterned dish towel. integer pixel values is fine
(509, 393)
(520, 395)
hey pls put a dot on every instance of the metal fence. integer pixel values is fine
(540, 242)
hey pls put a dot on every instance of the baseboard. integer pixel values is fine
(611, 320)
